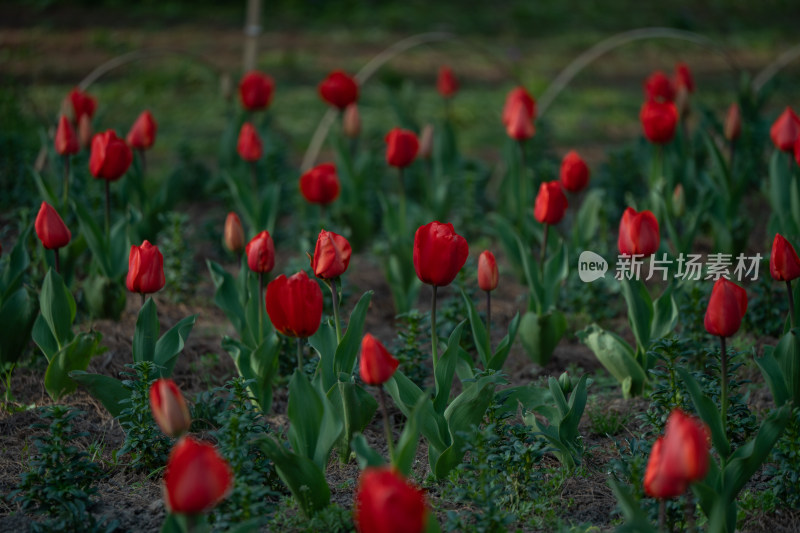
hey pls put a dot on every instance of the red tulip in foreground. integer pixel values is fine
(234, 233)
(339, 89)
(519, 95)
(320, 185)
(294, 305)
(574, 174)
(733, 123)
(785, 130)
(51, 230)
(197, 478)
(678, 458)
(401, 147)
(82, 105)
(331, 255)
(784, 265)
(638, 233)
(110, 157)
(66, 139)
(439, 253)
(658, 88)
(726, 308)
(659, 120)
(386, 503)
(261, 253)
(255, 90)
(145, 269)
(446, 83)
(143, 132)
(169, 408)
(377, 364)
(249, 143)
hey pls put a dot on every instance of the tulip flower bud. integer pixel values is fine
(565, 382)
(784, 265)
(426, 142)
(487, 271)
(659, 120)
(683, 77)
(519, 126)
(339, 89)
(66, 139)
(785, 130)
(439, 253)
(255, 90)
(377, 364)
(658, 88)
(261, 253)
(386, 502)
(196, 478)
(639, 233)
(733, 123)
(678, 201)
(331, 255)
(574, 173)
(516, 96)
(110, 157)
(50, 228)
(145, 269)
(320, 185)
(551, 203)
(82, 105)
(143, 132)
(351, 123)
(446, 83)
(169, 408)
(85, 131)
(726, 308)
(249, 143)
(401, 147)
(294, 305)
(234, 233)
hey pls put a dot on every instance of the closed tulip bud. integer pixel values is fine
(659, 480)
(351, 123)
(255, 90)
(733, 123)
(784, 265)
(66, 138)
(110, 157)
(785, 130)
(143, 132)
(487, 271)
(519, 126)
(294, 305)
(145, 269)
(331, 255)
(234, 233)
(426, 142)
(196, 478)
(565, 383)
(261, 253)
(678, 201)
(85, 131)
(320, 185)
(439, 253)
(446, 83)
(169, 408)
(50, 228)
(659, 88)
(386, 503)
(551, 203)
(726, 308)
(401, 147)
(574, 173)
(377, 364)
(683, 77)
(516, 96)
(339, 89)
(249, 143)
(639, 233)
(82, 105)
(659, 120)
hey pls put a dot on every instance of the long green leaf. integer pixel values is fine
(313, 426)
(108, 390)
(501, 354)
(347, 351)
(17, 315)
(708, 412)
(146, 332)
(58, 307)
(617, 357)
(305, 480)
(171, 344)
(74, 356)
(640, 310)
(446, 368)
(479, 334)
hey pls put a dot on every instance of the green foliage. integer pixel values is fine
(332, 518)
(58, 484)
(413, 332)
(180, 272)
(784, 467)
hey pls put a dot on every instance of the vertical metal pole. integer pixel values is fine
(252, 29)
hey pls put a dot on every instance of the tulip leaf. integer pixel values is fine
(588, 220)
(18, 313)
(556, 270)
(146, 332)
(259, 365)
(504, 231)
(406, 395)
(528, 397)
(346, 352)
(44, 338)
(787, 354)
(118, 249)
(45, 190)
(446, 368)
(773, 375)
(406, 449)
(640, 310)
(314, 427)
(74, 356)
(665, 315)
(540, 334)
(708, 412)
(226, 296)
(355, 407)
(366, 456)
(108, 390)
(171, 344)
(254, 307)
(617, 357)
(324, 343)
(18, 262)
(58, 307)
(780, 179)
(501, 354)
(95, 239)
(479, 334)
(305, 480)
(636, 520)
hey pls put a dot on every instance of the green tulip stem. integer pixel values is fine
(434, 339)
(791, 302)
(335, 298)
(261, 304)
(402, 201)
(108, 210)
(387, 427)
(543, 254)
(489, 315)
(66, 181)
(300, 354)
(724, 384)
(58, 261)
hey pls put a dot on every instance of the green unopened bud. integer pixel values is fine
(565, 383)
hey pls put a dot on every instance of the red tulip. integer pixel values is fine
(784, 265)
(255, 90)
(110, 157)
(386, 503)
(143, 132)
(683, 78)
(145, 269)
(659, 480)
(659, 88)
(726, 308)
(401, 147)
(331, 255)
(797, 150)
(249, 144)
(678, 458)
(487, 271)
(320, 185)
(294, 305)
(638, 233)
(234, 233)
(574, 173)
(519, 125)
(82, 104)
(66, 138)
(439, 253)
(785, 130)
(351, 122)
(658, 121)
(446, 83)
(169, 408)
(551, 203)
(50, 228)
(261, 253)
(733, 123)
(377, 364)
(516, 96)
(339, 89)
(197, 478)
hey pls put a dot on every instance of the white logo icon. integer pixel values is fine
(591, 267)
